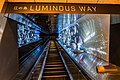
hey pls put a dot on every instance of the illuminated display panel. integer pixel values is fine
(86, 32)
(86, 39)
(27, 35)
(28, 32)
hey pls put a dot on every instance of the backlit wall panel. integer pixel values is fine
(85, 32)
(28, 31)
(94, 29)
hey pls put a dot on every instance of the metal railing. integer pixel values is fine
(27, 66)
(65, 65)
(74, 70)
(43, 65)
(33, 68)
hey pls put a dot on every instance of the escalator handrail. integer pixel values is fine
(74, 64)
(79, 66)
(43, 65)
(69, 74)
(29, 75)
(31, 53)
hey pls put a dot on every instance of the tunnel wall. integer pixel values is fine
(115, 39)
(9, 51)
(85, 32)
(115, 44)
(94, 30)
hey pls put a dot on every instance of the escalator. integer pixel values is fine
(54, 67)
(51, 64)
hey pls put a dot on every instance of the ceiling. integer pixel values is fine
(46, 21)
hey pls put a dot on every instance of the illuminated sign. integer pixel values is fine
(61, 8)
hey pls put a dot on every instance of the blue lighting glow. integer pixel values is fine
(28, 31)
(68, 32)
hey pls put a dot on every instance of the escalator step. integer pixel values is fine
(54, 65)
(55, 76)
(53, 55)
(54, 68)
(62, 78)
(55, 71)
(53, 49)
(52, 60)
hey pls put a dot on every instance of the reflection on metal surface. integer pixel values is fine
(3, 20)
(88, 32)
